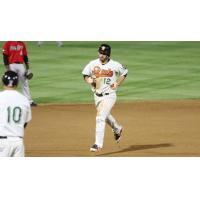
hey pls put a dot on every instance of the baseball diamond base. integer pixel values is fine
(161, 128)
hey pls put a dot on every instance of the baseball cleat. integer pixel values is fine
(117, 134)
(95, 148)
(33, 104)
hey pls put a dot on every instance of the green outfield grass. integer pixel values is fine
(157, 70)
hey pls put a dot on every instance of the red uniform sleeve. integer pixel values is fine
(24, 50)
(5, 49)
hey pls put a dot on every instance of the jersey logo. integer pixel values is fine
(98, 72)
(16, 48)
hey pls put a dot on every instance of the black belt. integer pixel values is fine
(100, 95)
(3, 137)
(17, 63)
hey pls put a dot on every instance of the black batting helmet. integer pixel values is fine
(105, 49)
(10, 78)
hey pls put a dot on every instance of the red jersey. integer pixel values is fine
(15, 50)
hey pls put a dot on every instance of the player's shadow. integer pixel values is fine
(137, 148)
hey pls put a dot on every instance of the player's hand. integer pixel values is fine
(89, 80)
(114, 86)
(92, 81)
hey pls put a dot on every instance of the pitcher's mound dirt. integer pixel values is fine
(165, 128)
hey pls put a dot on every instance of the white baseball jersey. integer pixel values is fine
(106, 74)
(15, 111)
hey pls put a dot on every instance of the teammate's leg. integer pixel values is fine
(25, 89)
(24, 82)
(20, 70)
(13, 67)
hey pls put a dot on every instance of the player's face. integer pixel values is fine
(103, 58)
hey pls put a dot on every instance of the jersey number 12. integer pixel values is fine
(107, 81)
(14, 114)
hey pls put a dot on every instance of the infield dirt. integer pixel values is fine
(161, 128)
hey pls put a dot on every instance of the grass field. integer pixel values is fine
(157, 70)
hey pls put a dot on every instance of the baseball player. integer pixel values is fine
(59, 43)
(105, 76)
(14, 57)
(15, 113)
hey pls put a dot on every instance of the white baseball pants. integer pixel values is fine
(104, 105)
(12, 147)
